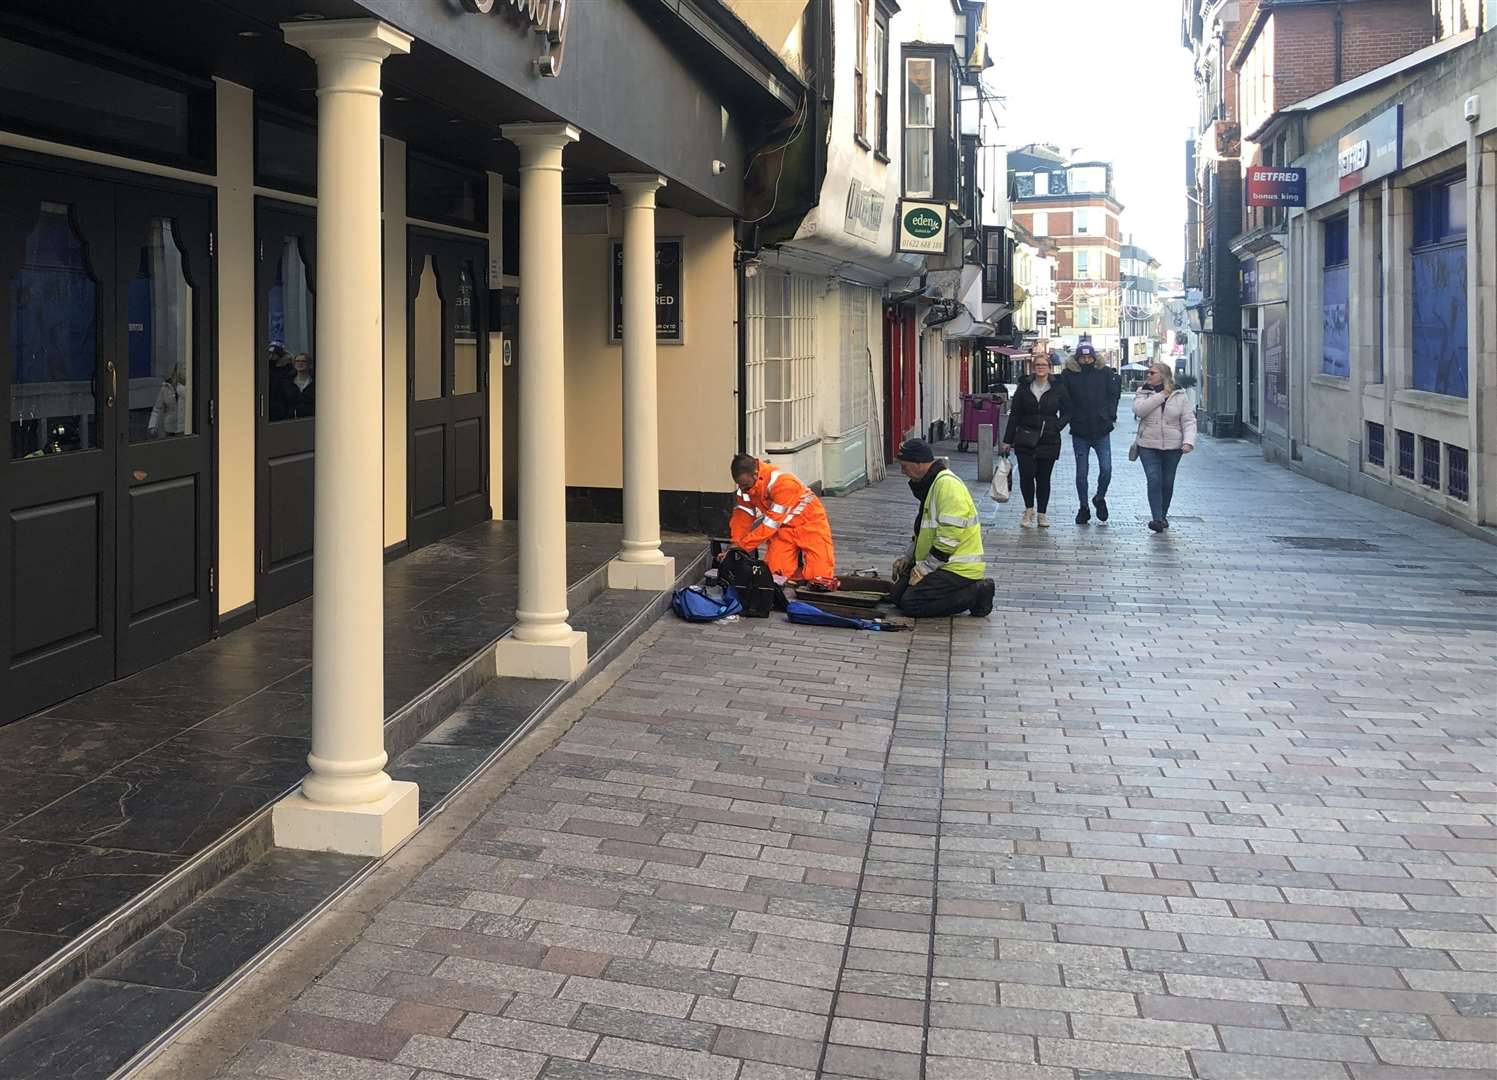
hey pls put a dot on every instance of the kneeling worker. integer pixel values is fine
(942, 572)
(774, 509)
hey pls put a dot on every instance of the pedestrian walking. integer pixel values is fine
(1040, 409)
(1166, 432)
(1094, 391)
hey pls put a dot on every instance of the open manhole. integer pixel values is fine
(1324, 543)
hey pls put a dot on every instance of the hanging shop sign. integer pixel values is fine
(922, 227)
(1371, 151)
(1275, 185)
(548, 18)
(668, 260)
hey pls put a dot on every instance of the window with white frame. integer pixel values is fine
(853, 403)
(881, 82)
(781, 348)
(1041, 224)
(1088, 179)
(1083, 311)
(1083, 222)
(1042, 183)
(920, 126)
(1083, 264)
(859, 66)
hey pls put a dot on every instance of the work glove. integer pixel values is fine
(904, 562)
(928, 565)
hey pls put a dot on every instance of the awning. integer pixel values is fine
(1007, 350)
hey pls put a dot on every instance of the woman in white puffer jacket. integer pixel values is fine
(1166, 431)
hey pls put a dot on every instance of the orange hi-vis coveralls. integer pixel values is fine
(782, 513)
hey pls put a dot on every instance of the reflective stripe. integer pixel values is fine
(776, 508)
(959, 522)
(770, 524)
(746, 509)
(965, 559)
(774, 475)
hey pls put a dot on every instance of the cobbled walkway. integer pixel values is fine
(1218, 803)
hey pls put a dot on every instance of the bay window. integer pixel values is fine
(920, 126)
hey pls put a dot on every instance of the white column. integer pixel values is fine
(347, 802)
(641, 565)
(542, 645)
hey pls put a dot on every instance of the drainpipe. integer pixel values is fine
(1339, 31)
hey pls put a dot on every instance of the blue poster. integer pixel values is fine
(1440, 321)
(1336, 338)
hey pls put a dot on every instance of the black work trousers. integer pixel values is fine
(1034, 480)
(937, 594)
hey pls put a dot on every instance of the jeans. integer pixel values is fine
(1159, 469)
(1034, 480)
(1082, 446)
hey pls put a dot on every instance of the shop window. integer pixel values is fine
(781, 329)
(1429, 462)
(292, 311)
(1376, 451)
(426, 336)
(1457, 476)
(1406, 454)
(446, 194)
(100, 103)
(1335, 276)
(855, 358)
(920, 127)
(285, 152)
(1438, 261)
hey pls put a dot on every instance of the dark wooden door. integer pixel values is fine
(286, 404)
(164, 509)
(106, 474)
(447, 379)
(60, 375)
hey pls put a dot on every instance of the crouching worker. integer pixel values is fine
(775, 510)
(942, 572)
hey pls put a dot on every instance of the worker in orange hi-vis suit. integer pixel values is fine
(774, 509)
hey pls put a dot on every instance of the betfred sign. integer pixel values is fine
(1371, 151)
(1275, 185)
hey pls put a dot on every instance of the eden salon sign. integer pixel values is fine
(546, 17)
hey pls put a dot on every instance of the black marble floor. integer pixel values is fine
(107, 793)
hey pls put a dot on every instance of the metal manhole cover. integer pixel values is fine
(1324, 543)
(1410, 566)
(833, 780)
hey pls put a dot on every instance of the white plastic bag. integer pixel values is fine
(1002, 471)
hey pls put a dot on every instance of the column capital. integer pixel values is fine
(638, 188)
(363, 39)
(551, 136)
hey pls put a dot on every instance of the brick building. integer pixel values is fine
(1074, 204)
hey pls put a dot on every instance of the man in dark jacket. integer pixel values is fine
(1094, 391)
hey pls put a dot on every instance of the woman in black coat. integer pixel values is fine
(1039, 410)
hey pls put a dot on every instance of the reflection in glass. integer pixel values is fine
(158, 321)
(292, 311)
(54, 342)
(426, 361)
(465, 336)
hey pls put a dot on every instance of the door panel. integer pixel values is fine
(57, 463)
(165, 602)
(447, 368)
(509, 456)
(286, 405)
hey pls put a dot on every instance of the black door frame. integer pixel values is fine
(281, 577)
(457, 510)
(116, 648)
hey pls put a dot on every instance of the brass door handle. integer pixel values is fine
(109, 367)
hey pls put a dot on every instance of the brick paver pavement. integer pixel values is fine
(1217, 803)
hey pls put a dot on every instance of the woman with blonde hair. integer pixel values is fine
(1166, 432)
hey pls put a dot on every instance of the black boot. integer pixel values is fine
(984, 606)
(1101, 504)
(1156, 526)
(1083, 515)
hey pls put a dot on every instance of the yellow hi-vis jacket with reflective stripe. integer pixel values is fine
(950, 535)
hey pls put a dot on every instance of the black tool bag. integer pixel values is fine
(751, 578)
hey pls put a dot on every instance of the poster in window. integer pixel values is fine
(1336, 330)
(668, 263)
(1275, 373)
(1440, 344)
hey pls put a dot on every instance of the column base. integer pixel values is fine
(654, 576)
(371, 829)
(564, 658)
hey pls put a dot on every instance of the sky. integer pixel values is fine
(1110, 79)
